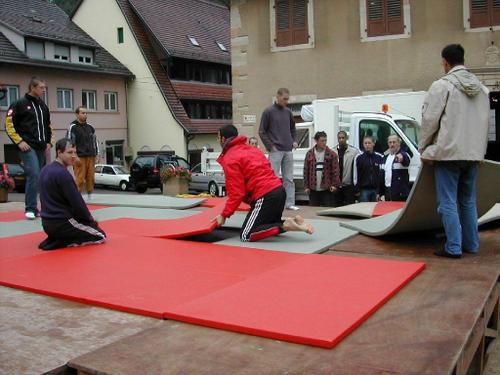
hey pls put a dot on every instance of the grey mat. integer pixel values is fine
(326, 234)
(146, 201)
(363, 209)
(491, 215)
(420, 212)
(20, 227)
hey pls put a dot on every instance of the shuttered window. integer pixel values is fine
(484, 13)
(385, 17)
(291, 22)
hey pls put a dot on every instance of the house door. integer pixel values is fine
(114, 152)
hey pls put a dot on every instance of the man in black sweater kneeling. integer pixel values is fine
(65, 216)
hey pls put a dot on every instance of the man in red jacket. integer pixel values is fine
(250, 179)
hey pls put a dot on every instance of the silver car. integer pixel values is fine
(213, 183)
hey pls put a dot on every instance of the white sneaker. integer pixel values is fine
(30, 215)
(293, 208)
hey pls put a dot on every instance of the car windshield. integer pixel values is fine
(120, 170)
(411, 130)
(144, 161)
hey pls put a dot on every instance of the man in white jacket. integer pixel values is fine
(454, 138)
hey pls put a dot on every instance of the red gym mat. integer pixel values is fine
(214, 201)
(308, 299)
(8, 216)
(383, 208)
(201, 223)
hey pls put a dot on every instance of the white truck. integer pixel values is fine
(358, 116)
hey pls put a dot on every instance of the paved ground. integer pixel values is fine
(40, 333)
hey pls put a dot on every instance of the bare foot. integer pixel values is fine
(293, 225)
(299, 219)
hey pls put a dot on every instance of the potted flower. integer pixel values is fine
(6, 184)
(175, 179)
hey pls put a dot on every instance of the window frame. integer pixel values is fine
(467, 27)
(363, 24)
(68, 60)
(120, 35)
(9, 102)
(108, 94)
(64, 100)
(84, 56)
(85, 93)
(310, 29)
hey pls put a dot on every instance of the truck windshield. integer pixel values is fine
(411, 130)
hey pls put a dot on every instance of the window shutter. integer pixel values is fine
(375, 17)
(291, 22)
(300, 29)
(495, 17)
(395, 20)
(479, 15)
(284, 36)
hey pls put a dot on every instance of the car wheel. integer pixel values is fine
(141, 189)
(123, 185)
(213, 189)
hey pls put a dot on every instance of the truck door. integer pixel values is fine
(380, 130)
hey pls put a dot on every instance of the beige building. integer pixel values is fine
(179, 53)
(335, 48)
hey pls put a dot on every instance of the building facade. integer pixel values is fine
(77, 71)
(179, 53)
(337, 48)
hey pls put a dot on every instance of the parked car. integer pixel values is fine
(16, 171)
(112, 176)
(145, 170)
(213, 183)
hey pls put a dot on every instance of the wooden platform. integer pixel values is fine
(441, 323)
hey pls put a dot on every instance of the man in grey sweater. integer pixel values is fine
(277, 131)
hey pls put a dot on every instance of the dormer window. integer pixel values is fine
(35, 49)
(193, 41)
(85, 56)
(61, 52)
(222, 46)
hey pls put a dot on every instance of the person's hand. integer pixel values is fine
(333, 189)
(295, 145)
(220, 220)
(49, 146)
(399, 158)
(23, 146)
(381, 198)
(357, 194)
(307, 191)
(426, 161)
(273, 148)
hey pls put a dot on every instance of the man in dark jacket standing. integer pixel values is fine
(28, 126)
(277, 131)
(366, 173)
(250, 179)
(82, 134)
(321, 172)
(395, 179)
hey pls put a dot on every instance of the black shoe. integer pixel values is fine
(445, 254)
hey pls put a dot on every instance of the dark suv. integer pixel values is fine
(145, 170)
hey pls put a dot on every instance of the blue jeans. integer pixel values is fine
(456, 196)
(33, 161)
(368, 195)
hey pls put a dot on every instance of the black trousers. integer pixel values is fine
(320, 198)
(344, 195)
(69, 233)
(264, 218)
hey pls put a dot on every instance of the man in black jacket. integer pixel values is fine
(83, 136)
(366, 172)
(28, 126)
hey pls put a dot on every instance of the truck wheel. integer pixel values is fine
(141, 189)
(213, 189)
(123, 185)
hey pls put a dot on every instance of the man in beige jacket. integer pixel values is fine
(454, 137)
